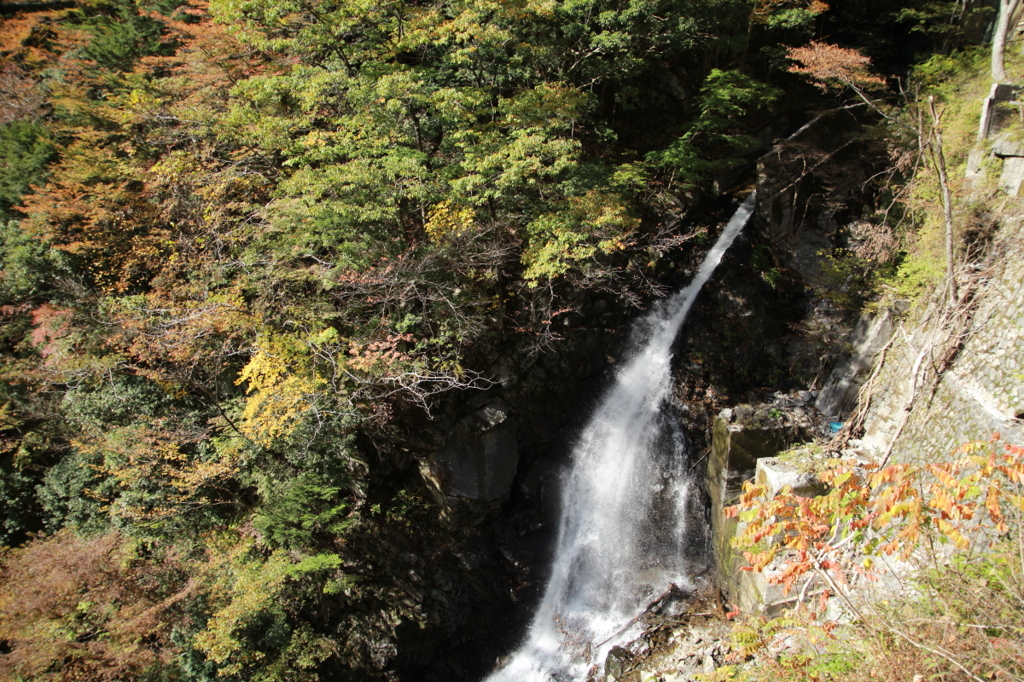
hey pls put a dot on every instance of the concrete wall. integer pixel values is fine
(980, 392)
(742, 437)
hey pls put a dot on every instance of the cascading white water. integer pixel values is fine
(622, 533)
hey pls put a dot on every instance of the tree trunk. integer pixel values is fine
(1007, 9)
(947, 200)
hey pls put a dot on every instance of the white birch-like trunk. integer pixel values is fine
(1007, 10)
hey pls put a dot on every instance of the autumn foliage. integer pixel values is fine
(870, 511)
(958, 523)
(831, 66)
(88, 608)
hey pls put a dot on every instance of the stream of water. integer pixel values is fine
(623, 533)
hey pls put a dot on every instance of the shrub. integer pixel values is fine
(959, 522)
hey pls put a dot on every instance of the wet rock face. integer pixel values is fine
(871, 335)
(478, 461)
(735, 340)
(806, 187)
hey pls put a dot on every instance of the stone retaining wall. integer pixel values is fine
(982, 392)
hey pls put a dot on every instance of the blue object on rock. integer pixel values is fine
(835, 426)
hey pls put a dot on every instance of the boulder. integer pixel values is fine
(617, 663)
(479, 458)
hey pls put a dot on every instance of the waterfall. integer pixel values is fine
(622, 534)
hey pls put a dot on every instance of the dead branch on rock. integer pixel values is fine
(672, 591)
(944, 344)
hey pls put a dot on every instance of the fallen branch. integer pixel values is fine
(864, 396)
(670, 592)
(909, 403)
(938, 652)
